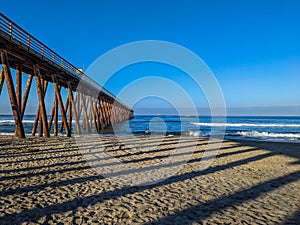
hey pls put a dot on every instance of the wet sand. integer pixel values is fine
(48, 181)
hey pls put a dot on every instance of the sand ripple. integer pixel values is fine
(47, 181)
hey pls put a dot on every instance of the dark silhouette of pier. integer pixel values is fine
(20, 51)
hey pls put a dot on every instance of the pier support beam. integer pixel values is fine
(19, 85)
(62, 109)
(70, 95)
(41, 89)
(12, 96)
(74, 110)
(55, 116)
(85, 115)
(67, 109)
(100, 114)
(26, 93)
(1, 80)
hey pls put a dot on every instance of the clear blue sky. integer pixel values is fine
(251, 46)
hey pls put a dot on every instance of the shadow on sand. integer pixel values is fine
(192, 214)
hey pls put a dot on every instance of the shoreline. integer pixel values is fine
(270, 129)
(47, 180)
(169, 134)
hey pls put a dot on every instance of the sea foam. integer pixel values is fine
(257, 134)
(245, 125)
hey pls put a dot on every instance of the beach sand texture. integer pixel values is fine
(48, 181)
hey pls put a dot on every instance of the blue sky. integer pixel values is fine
(252, 47)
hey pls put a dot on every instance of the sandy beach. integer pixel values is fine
(48, 181)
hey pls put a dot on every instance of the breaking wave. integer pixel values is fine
(245, 125)
(256, 134)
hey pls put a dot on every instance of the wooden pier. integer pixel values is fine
(90, 105)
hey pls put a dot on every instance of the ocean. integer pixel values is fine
(262, 128)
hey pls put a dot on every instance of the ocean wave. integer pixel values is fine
(12, 121)
(27, 134)
(6, 134)
(245, 125)
(257, 134)
(29, 121)
(12, 133)
(195, 133)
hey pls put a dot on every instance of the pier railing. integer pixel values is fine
(24, 40)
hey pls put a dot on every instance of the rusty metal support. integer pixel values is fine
(37, 116)
(91, 113)
(19, 132)
(87, 105)
(106, 112)
(38, 119)
(1, 80)
(55, 116)
(26, 93)
(77, 117)
(97, 111)
(62, 109)
(19, 85)
(90, 116)
(80, 108)
(40, 90)
(67, 109)
(109, 120)
(77, 102)
(85, 113)
(100, 114)
(103, 106)
(51, 116)
(40, 126)
(70, 109)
